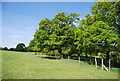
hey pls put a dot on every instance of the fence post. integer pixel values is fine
(102, 63)
(96, 62)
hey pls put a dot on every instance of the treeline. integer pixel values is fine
(97, 35)
(20, 47)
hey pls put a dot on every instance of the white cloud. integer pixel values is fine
(14, 37)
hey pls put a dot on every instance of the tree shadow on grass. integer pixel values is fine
(83, 58)
(52, 58)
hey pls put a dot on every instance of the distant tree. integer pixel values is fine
(26, 49)
(5, 48)
(20, 47)
(12, 49)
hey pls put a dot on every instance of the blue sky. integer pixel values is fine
(20, 19)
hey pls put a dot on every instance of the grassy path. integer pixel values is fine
(21, 65)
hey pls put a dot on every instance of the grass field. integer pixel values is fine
(0, 65)
(21, 65)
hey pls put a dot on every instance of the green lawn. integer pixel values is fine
(21, 65)
(0, 65)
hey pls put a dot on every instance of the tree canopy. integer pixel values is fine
(96, 33)
(20, 47)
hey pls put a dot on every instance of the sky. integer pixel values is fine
(21, 19)
(51, 0)
(0, 24)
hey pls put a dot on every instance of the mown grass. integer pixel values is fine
(0, 65)
(22, 65)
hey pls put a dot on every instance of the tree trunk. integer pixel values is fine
(96, 62)
(60, 52)
(86, 57)
(61, 56)
(90, 58)
(107, 55)
(109, 64)
(102, 63)
(79, 58)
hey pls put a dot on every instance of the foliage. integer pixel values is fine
(108, 40)
(108, 12)
(96, 33)
(20, 47)
(101, 33)
(5, 48)
(55, 34)
(32, 46)
(12, 49)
